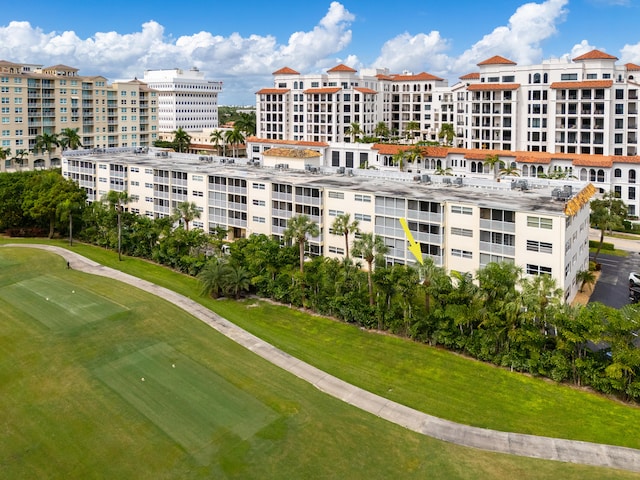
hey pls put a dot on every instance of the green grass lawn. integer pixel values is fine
(75, 406)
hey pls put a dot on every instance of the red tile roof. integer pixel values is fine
(272, 91)
(595, 55)
(422, 76)
(341, 68)
(632, 67)
(481, 87)
(471, 76)
(311, 91)
(365, 90)
(286, 71)
(380, 76)
(497, 60)
(584, 84)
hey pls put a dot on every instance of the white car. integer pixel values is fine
(634, 279)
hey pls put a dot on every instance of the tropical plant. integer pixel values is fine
(69, 138)
(47, 142)
(117, 201)
(212, 277)
(246, 123)
(606, 214)
(353, 131)
(187, 212)
(19, 157)
(217, 138)
(343, 225)
(494, 163)
(298, 229)
(70, 205)
(234, 138)
(381, 130)
(585, 277)
(181, 140)
(5, 153)
(447, 133)
(372, 249)
(443, 171)
(410, 128)
(509, 171)
(237, 280)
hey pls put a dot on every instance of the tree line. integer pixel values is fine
(496, 315)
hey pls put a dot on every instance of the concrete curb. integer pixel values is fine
(571, 451)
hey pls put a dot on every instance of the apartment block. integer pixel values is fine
(37, 100)
(587, 105)
(461, 223)
(186, 99)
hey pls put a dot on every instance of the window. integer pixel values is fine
(336, 250)
(338, 195)
(259, 219)
(258, 186)
(363, 198)
(362, 217)
(259, 203)
(461, 210)
(542, 247)
(463, 232)
(568, 76)
(335, 213)
(538, 270)
(540, 222)
(461, 253)
(617, 173)
(632, 193)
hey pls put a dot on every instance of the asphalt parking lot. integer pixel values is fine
(612, 288)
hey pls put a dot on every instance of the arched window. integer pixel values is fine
(540, 171)
(592, 175)
(438, 163)
(632, 176)
(39, 163)
(583, 174)
(525, 170)
(617, 173)
(536, 78)
(301, 85)
(295, 85)
(545, 78)
(473, 167)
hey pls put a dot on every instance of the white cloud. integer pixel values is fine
(413, 52)
(245, 64)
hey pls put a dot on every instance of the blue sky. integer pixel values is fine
(242, 43)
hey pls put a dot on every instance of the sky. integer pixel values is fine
(242, 44)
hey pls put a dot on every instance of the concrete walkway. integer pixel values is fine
(503, 442)
(618, 243)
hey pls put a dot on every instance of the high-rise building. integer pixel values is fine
(37, 100)
(185, 98)
(587, 105)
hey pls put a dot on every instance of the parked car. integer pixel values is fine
(634, 279)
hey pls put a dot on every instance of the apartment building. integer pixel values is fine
(461, 223)
(37, 100)
(587, 105)
(186, 99)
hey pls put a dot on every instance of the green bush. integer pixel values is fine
(605, 245)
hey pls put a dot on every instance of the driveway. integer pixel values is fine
(612, 288)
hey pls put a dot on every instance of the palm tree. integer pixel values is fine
(69, 138)
(181, 140)
(447, 133)
(511, 171)
(118, 200)
(353, 131)
(65, 211)
(585, 277)
(19, 156)
(381, 130)
(371, 248)
(47, 143)
(343, 225)
(246, 123)
(217, 138)
(412, 127)
(5, 153)
(237, 280)
(398, 159)
(187, 212)
(443, 171)
(494, 163)
(298, 228)
(606, 214)
(234, 137)
(212, 277)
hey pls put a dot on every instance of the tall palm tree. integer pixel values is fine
(494, 163)
(217, 138)
(353, 131)
(69, 138)
(381, 130)
(117, 201)
(234, 137)
(447, 133)
(181, 139)
(187, 212)
(298, 229)
(47, 142)
(371, 248)
(65, 211)
(246, 123)
(411, 127)
(19, 157)
(343, 225)
(606, 214)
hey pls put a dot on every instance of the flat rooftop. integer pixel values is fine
(525, 194)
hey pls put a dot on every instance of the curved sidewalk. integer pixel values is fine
(492, 440)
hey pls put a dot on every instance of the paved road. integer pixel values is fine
(503, 442)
